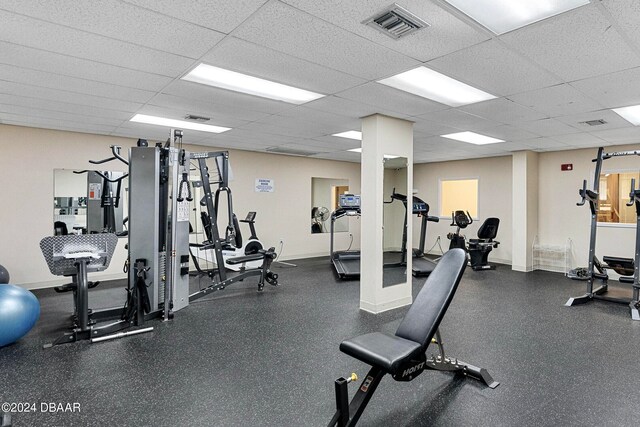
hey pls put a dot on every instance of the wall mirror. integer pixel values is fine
(394, 271)
(89, 202)
(325, 195)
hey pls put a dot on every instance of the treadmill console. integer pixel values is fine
(420, 208)
(349, 201)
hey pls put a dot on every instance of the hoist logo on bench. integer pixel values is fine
(413, 369)
(410, 369)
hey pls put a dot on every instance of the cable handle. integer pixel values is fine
(470, 219)
(183, 182)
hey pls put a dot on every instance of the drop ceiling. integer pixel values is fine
(91, 66)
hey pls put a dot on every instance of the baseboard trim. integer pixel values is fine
(386, 306)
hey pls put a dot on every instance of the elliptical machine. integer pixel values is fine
(460, 220)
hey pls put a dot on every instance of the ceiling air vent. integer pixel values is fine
(196, 118)
(395, 21)
(598, 122)
(291, 151)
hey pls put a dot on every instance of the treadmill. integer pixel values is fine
(346, 263)
(421, 266)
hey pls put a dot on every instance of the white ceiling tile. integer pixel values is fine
(619, 136)
(423, 127)
(36, 59)
(458, 119)
(627, 16)
(46, 123)
(348, 108)
(38, 113)
(56, 105)
(379, 95)
(559, 100)
(209, 108)
(238, 100)
(122, 21)
(72, 84)
(336, 143)
(508, 133)
(575, 45)
(326, 120)
(612, 90)
(578, 139)
(547, 127)
(493, 67)
(445, 34)
(80, 44)
(250, 58)
(503, 110)
(250, 136)
(577, 120)
(19, 89)
(278, 125)
(286, 29)
(541, 144)
(220, 15)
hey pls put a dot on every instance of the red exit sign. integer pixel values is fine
(566, 167)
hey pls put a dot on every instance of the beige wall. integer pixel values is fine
(494, 199)
(559, 217)
(26, 169)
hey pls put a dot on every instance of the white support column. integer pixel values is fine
(525, 208)
(381, 135)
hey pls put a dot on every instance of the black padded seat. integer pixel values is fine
(418, 327)
(378, 349)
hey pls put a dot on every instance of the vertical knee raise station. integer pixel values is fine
(624, 266)
(403, 355)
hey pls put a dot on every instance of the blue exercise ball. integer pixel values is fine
(4, 275)
(19, 311)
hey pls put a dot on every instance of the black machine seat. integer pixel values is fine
(622, 266)
(419, 325)
(383, 350)
(489, 229)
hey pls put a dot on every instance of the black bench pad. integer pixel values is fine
(382, 350)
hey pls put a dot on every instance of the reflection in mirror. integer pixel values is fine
(325, 195)
(89, 202)
(394, 239)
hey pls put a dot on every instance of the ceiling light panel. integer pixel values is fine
(630, 114)
(502, 16)
(350, 134)
(472, 138)
(430, 84)
(238, 82)
(180, 124)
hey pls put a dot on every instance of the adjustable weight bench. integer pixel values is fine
(403, 355)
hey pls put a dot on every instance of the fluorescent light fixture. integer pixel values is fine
(502, 16)
(386, 156)
(430, 84)
(180, 124)
(238, 82)
(351, 134)
(472, 138)
(630, 114)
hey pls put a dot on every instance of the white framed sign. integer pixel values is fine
(264, 185)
